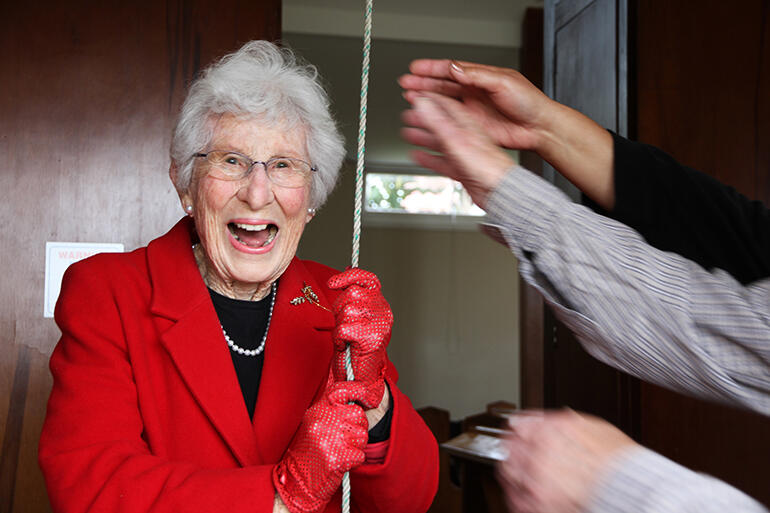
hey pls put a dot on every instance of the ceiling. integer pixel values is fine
(477, 9)
(477, 22)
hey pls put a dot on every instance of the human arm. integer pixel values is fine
(517, 115)
(564, 461)
(643, 481)
(676, 208)
(655, 315)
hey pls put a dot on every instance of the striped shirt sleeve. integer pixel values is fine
(642, 481)
(655, 315)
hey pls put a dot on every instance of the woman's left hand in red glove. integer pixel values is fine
(364, 320)
(329, 442)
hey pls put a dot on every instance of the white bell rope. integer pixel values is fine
(359, 196)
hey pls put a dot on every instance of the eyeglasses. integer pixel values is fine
(282, 171)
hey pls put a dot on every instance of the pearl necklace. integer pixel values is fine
(253, 352)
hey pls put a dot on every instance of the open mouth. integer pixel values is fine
(253, 235)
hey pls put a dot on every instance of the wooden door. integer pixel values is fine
(696, 84)
(703, 95)
(88, 95)
(531, 305)
(584, 68)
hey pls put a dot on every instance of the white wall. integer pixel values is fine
(454, 293)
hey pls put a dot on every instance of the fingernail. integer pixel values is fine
(456, 67)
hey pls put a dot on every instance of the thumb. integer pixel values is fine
(487, 78)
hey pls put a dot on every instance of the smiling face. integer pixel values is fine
(249, 229)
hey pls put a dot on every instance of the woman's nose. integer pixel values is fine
(256, 188)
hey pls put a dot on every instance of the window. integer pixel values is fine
(409, 197)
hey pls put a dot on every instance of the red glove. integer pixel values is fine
(328, 443)
(364, 321)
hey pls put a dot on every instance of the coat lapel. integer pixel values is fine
(194, 340)
(297, 357)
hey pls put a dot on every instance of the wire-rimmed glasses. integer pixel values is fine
(284, 171)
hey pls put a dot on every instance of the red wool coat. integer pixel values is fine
(146, 413)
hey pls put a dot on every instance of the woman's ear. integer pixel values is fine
(184, 196)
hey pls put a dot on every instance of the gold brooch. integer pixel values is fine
(309, 296)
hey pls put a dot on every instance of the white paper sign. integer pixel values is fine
(59, 256)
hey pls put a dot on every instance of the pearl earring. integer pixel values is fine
(311, 211)
(188, 209)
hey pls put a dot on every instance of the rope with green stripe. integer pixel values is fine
(362, 133)
(359, 196)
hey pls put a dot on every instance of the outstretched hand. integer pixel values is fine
(511, 109)
(516, 115)
(464, 152)
(555, 460)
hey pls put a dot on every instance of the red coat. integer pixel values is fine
(146, 413)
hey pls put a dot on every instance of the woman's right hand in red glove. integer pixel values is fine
(328, 443)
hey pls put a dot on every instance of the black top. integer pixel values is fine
(676, 208)
(245, 323)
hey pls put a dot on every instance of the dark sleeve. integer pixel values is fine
(679, 209)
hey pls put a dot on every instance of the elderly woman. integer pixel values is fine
(205, 372)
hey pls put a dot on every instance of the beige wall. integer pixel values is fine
(454, 293)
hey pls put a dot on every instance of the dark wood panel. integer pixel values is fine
(12, 429)
(7, 372)
(724, 442)
(531, 53)
(702, 95)
(585, 68)
(448, 497)
(566, 10)
(698, 79)
(586, 53)
(531, 307)
(89, 95)
(763, 109)
(575, 379)
(29, 492)
(532, 353)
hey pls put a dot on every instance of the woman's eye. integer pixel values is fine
(281, 164)
(233, 161)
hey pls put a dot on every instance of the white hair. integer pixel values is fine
(266, 82)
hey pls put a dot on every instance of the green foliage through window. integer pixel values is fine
(417, 194)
